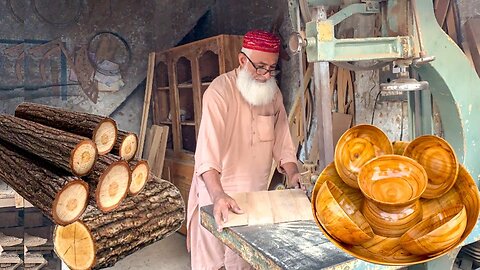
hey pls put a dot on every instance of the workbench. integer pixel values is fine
(297, 245)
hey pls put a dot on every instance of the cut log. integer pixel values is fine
(110, 181)
(102, 130)
(68, 151)
(60, 196)
(99, 239)
(140, 176)
(126, 145)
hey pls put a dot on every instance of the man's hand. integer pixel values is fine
(222, 203)
(294, 181)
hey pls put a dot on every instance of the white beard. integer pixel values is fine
(254, 92)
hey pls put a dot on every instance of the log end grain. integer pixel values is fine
(70, 202)
(83, 157)
(129, 146)
(105, 136)
(113, 186)
(140, 176)
(75, 245)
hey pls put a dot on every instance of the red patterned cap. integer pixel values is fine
(260, 40)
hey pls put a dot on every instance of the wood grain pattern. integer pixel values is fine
(259, 208)
(269, 207)
(238, 219)
(438, 159)
(437, 232)
(356, 147)
(339, 216)
(101, 239)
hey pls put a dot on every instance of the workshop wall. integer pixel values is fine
(103, 41)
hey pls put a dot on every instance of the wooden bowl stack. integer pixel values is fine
(399, 203)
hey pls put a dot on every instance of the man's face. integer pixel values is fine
(258, 62)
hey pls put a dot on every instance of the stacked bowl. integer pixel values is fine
(394, 203)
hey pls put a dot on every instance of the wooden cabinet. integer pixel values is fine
(181, 76)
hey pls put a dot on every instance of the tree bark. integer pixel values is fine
(99, 239)
(68, 151)
(126, 145)
(59, 195)
(102, 130)
(109, 182)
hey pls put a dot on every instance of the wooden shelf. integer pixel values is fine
(188, 123)
(183, 95)
(185, 85)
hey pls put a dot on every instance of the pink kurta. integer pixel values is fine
(239, 141)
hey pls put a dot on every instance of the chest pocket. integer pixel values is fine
(266, 128)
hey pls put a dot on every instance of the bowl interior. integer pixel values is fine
(392, 179)
(439, 161)
(330, 174)
(357, 146)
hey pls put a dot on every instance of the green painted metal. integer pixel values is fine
(325, 2)
(349, 11)
(323, 46)
(454, 86)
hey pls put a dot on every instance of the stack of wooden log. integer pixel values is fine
(78, 169)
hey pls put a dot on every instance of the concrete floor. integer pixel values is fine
(167, 254)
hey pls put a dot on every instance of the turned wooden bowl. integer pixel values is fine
(392, 180)
(392, 221)
(340, 217)
(356, 147)
(388, 251)
(399, 147)
(436, 233)
(439, 161)
(330, 174)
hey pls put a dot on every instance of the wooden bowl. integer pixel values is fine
(340, 217)
(392, 180)
(356, 147)
(330, 174)
(387, 250)
(436, 233)
(392, 221)
(399, 147)
(439, 160)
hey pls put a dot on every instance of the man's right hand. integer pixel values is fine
(223, 203)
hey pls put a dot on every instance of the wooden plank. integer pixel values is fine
(238, 219)
(303, 206)
(283, 205)
(146, 103)
(468, 54)
(148, 143)
(259, 208)
(441, 10)
(342, 84)
(472, 31)
(157, 138)
(160, 156)
(451, 23)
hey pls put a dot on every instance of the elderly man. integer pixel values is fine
(244, 127)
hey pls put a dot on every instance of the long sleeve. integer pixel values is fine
(208, 154)
(283, 149)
